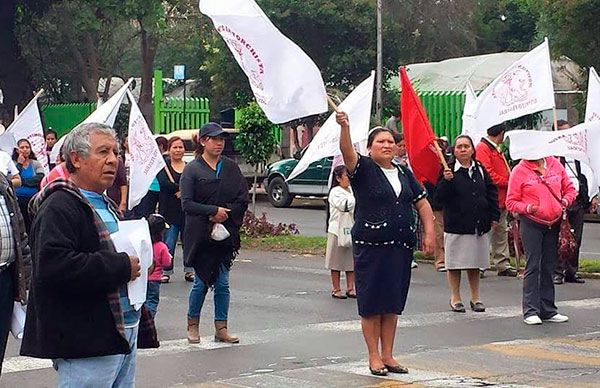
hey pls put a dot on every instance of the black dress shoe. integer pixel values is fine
(379, 372)
(458, 307)
(477, 307)
(396, 369)
(574, 279)
(557, 280)
(508, 272)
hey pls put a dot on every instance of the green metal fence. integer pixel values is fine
(168, 112)
(63, 117)
(444, 110)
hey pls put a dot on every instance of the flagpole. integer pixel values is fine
(332, 104)
(440, 155)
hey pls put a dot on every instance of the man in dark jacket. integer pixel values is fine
(79, 313)
(15, 259)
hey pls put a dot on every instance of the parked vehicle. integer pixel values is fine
(313, 182)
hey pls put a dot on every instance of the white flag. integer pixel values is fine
(581, 142)
(104, 114)
(327, 141)
(592, 107)
(145, 158)
(285, 81)
(28, 125)
(524, 88)
(468, 122)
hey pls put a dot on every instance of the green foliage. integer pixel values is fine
(256, 141)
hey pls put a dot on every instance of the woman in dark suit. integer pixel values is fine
(383, 239)
(470, 203)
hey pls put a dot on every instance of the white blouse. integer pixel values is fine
(339, 200)
(392, 176)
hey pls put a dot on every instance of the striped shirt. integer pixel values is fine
(7, 249)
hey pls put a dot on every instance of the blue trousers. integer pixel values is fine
(117, 371)
(221, 296)
(153, 296)
(171, 236)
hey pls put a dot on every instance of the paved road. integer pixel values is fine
(294, 334)
(309, 215)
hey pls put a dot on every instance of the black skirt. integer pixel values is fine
(382, 276)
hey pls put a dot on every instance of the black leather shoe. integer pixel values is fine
(477, 307)
(397, 369)
(379, 372)
(558, 280)
(574, 279)
(508, 272)
(458, 307)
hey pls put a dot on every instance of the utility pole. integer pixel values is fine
(378, 104)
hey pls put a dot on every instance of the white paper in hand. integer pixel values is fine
(133, 238)
(17, 324)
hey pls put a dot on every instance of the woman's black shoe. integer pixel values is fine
(458, 307)
(379, 372)
(478, 307)
(396, 369)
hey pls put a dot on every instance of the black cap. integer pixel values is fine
(156, 223)
(212, 130)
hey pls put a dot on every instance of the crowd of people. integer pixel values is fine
(56, 239)
(464, 222)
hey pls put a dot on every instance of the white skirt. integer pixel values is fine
(467, 251)
(338, 258)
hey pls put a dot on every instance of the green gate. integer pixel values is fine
(64, 117)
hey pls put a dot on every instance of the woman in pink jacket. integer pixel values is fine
(538, 191)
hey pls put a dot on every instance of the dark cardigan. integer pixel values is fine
(470, 204)
(202, 193)
(68, 315)
(169, 206)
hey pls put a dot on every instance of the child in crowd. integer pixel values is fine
(161, 257)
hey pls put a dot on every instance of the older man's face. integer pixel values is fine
(97, 171)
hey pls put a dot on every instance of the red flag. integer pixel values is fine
(418, 134)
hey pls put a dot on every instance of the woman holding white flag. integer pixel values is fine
(383, 238)
(539, 191)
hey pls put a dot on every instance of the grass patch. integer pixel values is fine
(294, 243)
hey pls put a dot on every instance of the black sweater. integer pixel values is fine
(68, 315)
(169, 206)
(470, 204)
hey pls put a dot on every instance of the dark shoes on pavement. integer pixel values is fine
(477, 307)
(574, 279)
(557, 279)
(458, 307)
(508, 272)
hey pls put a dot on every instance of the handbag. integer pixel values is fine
(567, 244)
(345, 223)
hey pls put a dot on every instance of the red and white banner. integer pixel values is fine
(285, 81)
(581, 142)
(592, 106)
(28, 125)
(146, 160)
(523, 88)
(327, 141)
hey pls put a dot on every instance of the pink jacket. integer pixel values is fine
(525, 188)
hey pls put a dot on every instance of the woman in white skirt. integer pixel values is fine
(340, 211)
(470, 204)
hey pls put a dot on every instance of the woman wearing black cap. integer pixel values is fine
(214, 196)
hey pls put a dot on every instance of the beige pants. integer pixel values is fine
(500, 253)
(439, 239)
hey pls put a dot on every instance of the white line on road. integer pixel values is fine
(22, 364)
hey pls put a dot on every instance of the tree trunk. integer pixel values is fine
(15, 76)
(149, 44)
(88, 67)
(254, 190)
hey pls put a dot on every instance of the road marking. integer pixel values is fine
(21, 363)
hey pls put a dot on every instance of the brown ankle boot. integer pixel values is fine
(221, 334)
(193, 334)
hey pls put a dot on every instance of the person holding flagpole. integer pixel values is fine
(383, 238)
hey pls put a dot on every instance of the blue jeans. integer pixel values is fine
(171, 236)
(221, 296)
(116, 371)
(153, 296)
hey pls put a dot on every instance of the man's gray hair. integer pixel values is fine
(78, 140)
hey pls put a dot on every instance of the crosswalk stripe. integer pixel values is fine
(21, 364)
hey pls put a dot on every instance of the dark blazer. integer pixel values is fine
(21, 267)
(470, 204)
(68, 315)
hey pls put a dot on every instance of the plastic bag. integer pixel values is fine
(17, 325)
(219, 232)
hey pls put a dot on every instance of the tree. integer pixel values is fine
(256, 140)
